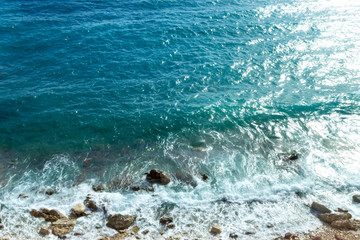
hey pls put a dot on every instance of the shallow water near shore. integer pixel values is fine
(102, 92)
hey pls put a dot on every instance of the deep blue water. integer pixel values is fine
(104, 90)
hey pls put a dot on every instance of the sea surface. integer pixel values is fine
(101, 92)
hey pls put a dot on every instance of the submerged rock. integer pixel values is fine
(320, 208)
(62, 226)
(21, 195)
(215, 230)
(329, 218)
(171, 226)
(49, 215)
(78, 211)
(120, 222)
(50, 192)
(293, 156)
(44, 230)
(204, 176)
(185, 177)
(166, 220)
(98, 188)
(158, 176)
(89, 203)
(356, 198)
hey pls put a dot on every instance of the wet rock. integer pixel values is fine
(78, 234)
(165, 221)
(338, 237)
(204, 176)
(269, 225)
(90, 204)
(171, 226)
(233, 235)
(329, 218)
(293, 156)
(185, 177)
(135, 229)
(49, 215)
(288, 235)
(1, 227)
(137, 188)
(158, 176)
(249, 233)
(62, 226)
(145, 232)
(119, 182)
(44, 231)
(346, 224)
(356, 198)
(120, 222)
(50, 192)
(342, 210)
(215, 230)
(21, 195)
(98, 188)
(317, 238)
(320, 208)
(78, 211)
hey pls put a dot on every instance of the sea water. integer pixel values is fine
(101, 92)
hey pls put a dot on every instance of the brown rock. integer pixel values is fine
(204, 177)
(49, 215)
(135, 229)
(342, 210)
(317, 238)
(62, 226)
(21, 195)
(338, 237)
(166, 220)
(171, 226)
(288, 235)
(89, 203)
(346, 224)
(78, 211)
(98, 188)
(44, 230)
(1, 227)
(356, 198)
(320, 208)
(120, 222)
(249, 233)
(50, 192)
(145, 232)
(293, 156)
(158, 176)
(215, 230)
(329, 218)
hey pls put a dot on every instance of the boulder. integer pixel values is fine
(89, 203)
(288, 235)
(165, 221)
(233, 235)
(158, 176)
(171, 226)
(62, 226)
(98, 188)
(320, 208)
(120, 222)
(44, 231)
(293, 156)
(50, 192)
(204, 176)
(49, 215)
(215, 230)
(347, 224)
(78, 211)
(356, 198)
(135, 229)
(329, 218)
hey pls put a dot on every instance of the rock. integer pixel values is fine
(89, 203)
(356, 198)
(50, 192)
(145, 232)
(78, 211)
(293, 156)
(288, 235)
(215, 230)
(49, 215)
(329, 218)
(317, 238)
(171, 226)
(233, 235)
(346, 224)
(158, 176)
(166, 220)
(120, 222)
(1, 227)
(62, 226)
(249, 233)
(44, 230)
(185, 177)
(135, 229)
(338, 237)
(98, 188)
(269, 225)
(137, 188)
(342, 210)
(204, 176)
(320, 208)
(78, 234)
(21, 195)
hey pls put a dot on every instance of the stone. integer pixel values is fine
(329, 218)
(317, 238)
(233, 235)
(215, 230)
(249, 233)
(346, 224)
(49, 215)
(21, 195)
(356, 198)
(342, 210)
(98, 188)
(90, 204)
(120, 222)
(320, 208)
(158, 176)
(293, 156)
(62, 226)
(44, 231)
(338, 237)
(145, 232)
(171, 226)
(288, 235)
(78, 211)
(165, 221)
(1, 227)
(50, 192)
(135, 229)
(204, 177)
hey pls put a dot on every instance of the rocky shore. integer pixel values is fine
(337, 224)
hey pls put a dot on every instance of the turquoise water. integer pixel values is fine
(102, 92)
